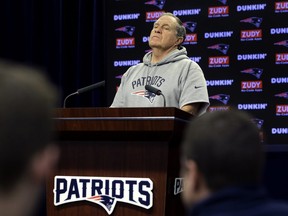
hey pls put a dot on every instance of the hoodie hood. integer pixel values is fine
(175, 55)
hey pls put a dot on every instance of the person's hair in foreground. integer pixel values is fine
(222, 161)
(27, 100)
(226, 147)
(223, 150)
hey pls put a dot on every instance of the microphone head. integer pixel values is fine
(153, 89)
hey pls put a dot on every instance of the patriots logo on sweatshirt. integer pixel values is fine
(257, 72)
(147, 94)
(256, 21)
(127, 29)
(221, 97)
(158, 3)
(223, 48)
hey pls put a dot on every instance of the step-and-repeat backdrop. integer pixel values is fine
(242, 47)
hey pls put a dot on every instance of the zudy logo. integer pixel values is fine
(251, 35)
(282, 110)
(218, 61)
(281, 58)
(222, 11)
(281, 7)
(153, 15)
(190, 39)
(125, 43)
(104, 191)
(251, 86)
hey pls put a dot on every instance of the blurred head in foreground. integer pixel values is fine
(220, 150)
(27, 155)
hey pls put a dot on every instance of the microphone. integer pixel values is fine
(155, 91)
(84, 89)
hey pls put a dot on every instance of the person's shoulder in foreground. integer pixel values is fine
(222, 161)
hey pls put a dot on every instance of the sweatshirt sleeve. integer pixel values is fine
(194, 88)
(119, 96)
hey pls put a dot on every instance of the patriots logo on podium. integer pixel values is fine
(223, 48)
(256, 21)
(224, 98)
(103, 191)
(158, 3)
(127, 29)
(191, 26)
(282, 95)
(107, 202)
(282, 43)
(257, 72)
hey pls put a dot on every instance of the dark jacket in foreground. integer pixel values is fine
(239, 202)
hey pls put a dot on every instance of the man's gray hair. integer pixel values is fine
(181, 30)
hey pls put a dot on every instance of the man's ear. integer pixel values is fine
(192, 174)
(179, 40)
(44, 162)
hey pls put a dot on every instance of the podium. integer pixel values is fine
(119, 143)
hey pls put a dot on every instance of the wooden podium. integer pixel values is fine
(120, 143)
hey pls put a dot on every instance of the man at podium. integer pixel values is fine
(167, 71)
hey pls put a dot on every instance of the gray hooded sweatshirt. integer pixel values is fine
(180, 80)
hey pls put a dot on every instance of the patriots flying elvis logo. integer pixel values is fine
(282, 43)
(190, 25)
(223, 48)
(127, 29)
(256, 21)
(158, 3)
(282, 95)
(257, 72)
(221, 97)
(223, 1)
(147, 94)
(104, 191)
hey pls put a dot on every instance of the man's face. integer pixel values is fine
(194, 184)
(164, 35)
